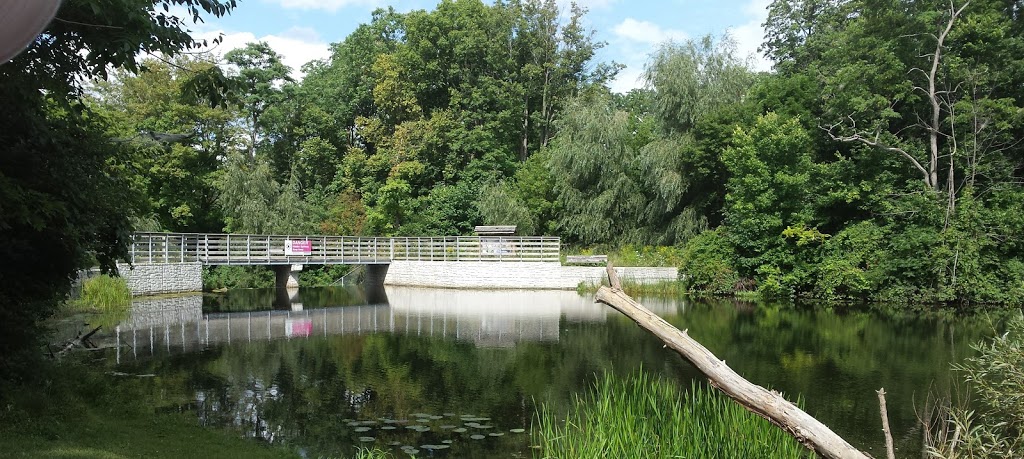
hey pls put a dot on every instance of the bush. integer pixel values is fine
(996, 427)
(229, 277)
(851, 265)
(707, 264)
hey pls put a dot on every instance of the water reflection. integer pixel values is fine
(487, 318)
(334, 373)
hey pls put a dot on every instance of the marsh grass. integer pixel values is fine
(106, 298)
(373, 453)
(648, 417)
(103, 294)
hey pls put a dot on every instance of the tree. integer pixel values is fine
(175, 142)
(63, 206)
(260, 74)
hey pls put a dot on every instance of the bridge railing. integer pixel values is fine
(250, 249)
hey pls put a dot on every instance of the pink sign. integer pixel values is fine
(298, 327)
(304, 247)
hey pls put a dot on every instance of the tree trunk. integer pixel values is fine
(768, 404)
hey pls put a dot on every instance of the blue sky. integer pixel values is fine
(302, 30)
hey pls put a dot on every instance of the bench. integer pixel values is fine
(494, 230)
(586, 259)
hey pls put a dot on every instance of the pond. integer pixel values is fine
(453, 373)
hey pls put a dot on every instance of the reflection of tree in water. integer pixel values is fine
(309, 391)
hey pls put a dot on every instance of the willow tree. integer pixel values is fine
(645, 167)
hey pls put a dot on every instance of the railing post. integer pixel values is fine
(227, 250)
(181, 248)
(248, 249)
(206, 248)
(167, 243)
(392, 249)
(134, 240)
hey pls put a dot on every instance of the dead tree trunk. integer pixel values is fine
(767, 404)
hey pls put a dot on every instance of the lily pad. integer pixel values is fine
(478, 437)
(447, 442)
(517, 430)
(460, 430)
(366, 439)
(388, 428)
(496, 434)
(362, 429)
(447, 426)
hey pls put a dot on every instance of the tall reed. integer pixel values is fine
(648, 417)
(106, 294)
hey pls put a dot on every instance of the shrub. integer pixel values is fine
(707, 264)
(996, 427)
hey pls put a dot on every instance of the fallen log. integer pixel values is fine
(768, 404)
(77, 342)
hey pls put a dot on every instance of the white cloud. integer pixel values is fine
(296, 46)
(646, 32)
(628, 79)
(328, 5)
(750, 35)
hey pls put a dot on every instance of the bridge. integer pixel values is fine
(172, 262)
(253, 249)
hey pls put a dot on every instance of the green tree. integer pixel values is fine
(176, 143)
(63, 207)
(257, 82)
(770, 188)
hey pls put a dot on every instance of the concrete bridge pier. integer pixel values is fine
(287, 276)
(373, 283)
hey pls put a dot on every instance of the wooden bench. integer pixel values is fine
(495, 230)
(586, 259)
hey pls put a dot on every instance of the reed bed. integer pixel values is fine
(106, 294)
(649, 417)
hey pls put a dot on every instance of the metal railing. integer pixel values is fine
(251, 249)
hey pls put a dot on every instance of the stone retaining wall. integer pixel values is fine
(157, 278)
(517, 275)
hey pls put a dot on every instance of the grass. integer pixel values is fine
(107, 298)
(634, 288)
(73, 409)
(631, 255)
(648, 417)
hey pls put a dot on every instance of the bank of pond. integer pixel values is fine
(340, 372)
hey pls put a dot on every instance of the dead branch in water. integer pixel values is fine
(768, 404)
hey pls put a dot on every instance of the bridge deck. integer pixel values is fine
(251, 249)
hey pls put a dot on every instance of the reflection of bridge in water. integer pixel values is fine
(492, 318)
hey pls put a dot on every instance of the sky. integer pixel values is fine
(302, 30)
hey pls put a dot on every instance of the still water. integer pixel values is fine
(454, 373)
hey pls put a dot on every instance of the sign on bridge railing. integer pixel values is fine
(298, 247)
